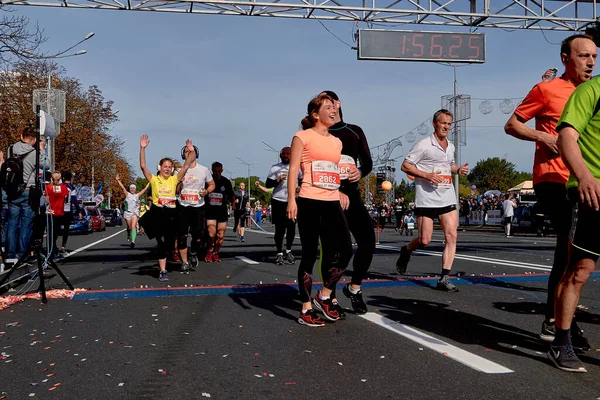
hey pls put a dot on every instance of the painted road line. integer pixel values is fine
(484, 260)
(93, 244)
(246, 260)
(462, 356)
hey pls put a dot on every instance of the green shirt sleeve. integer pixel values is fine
(579, 110)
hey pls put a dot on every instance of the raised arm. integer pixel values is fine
(117, 178)
(191, 157)
(144, 142)
(141, 193)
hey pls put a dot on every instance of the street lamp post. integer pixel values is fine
(248, 165)
(270, 148)
(60, 54)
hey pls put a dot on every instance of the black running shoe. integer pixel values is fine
(548, 331)
(565, 359)
(194, 261)
(290, 257)
(402, 262)
(340, 310)
(358, 304)
(580, 342)
(279, 259)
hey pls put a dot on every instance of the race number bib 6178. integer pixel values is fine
(215, 199)
(325, 175)
(345, 165)
(190, 196)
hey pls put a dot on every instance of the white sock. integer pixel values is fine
(288, 251)
(304, 311)
(323, 297)
(507, 230)
(279, 254)
(352, 290)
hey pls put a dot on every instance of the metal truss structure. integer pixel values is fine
(563, 15)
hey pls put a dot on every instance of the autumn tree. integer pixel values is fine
(85, 138)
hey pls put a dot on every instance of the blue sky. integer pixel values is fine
(230, 82)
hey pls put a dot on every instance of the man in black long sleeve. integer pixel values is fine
(355, 150)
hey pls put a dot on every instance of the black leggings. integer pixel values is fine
(283, 225)
(190, 220)
(361, 228)
(324, 220)
(554, 202)
(68, 218)
(165, 238)
(55, 227)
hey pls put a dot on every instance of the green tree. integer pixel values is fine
(496, 173)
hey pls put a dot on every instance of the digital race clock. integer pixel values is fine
(387, 45)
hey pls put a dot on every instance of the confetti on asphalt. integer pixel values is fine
(382, 357)
(258, 376)
(420, 348)
(307, 351)
(246, 343)
(108, 375)
(225, 355)
(363, 380)
(121, 384)
(31, 394)
(204, 394)
(290, 383)
(339, 363)
(271, 376)
(241, 326)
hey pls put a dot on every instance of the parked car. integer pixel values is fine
(81, 225)
(98, 222)
(111, 217)
(530, 219)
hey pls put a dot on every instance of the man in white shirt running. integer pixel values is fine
(277, 180)
(431, 162)
(508, 212)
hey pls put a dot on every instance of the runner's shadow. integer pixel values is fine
(459, 326)
(527, 307)
(273, 298)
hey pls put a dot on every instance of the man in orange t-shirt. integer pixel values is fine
(545, 103)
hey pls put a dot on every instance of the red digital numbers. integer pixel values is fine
(472, 46)
(422, 47)
(436, 50)
(455, 46)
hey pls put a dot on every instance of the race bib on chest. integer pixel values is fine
(446, 176)
(346, 163)
(215, 199)
(164, 201)
(190, 197)
(325, 175)
(410, 225)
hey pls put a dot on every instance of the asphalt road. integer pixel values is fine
(229, 330)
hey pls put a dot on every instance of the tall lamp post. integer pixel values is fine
(54, 109)
(248, 165)
(270, 148)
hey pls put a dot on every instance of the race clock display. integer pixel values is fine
(454, 47)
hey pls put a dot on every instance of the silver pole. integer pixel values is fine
(50, 142)
(456, 137)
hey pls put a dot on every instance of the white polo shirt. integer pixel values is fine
(428, 156)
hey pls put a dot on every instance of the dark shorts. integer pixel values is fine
(434, 212)
(218, 214)
(584, 229)
(240, 217)
(508, 220)
(190, 219)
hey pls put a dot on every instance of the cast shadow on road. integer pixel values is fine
(277, 299)
(459, 326)
(528, 307)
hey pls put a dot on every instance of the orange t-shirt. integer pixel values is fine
(545, 103)
(325, 151)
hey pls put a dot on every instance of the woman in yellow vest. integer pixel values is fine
(164, 187)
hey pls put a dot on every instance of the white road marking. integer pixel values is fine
(246, 260)
(462, 356)
(484, 260)
(93, 244)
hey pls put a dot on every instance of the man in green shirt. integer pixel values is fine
(579, 144)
